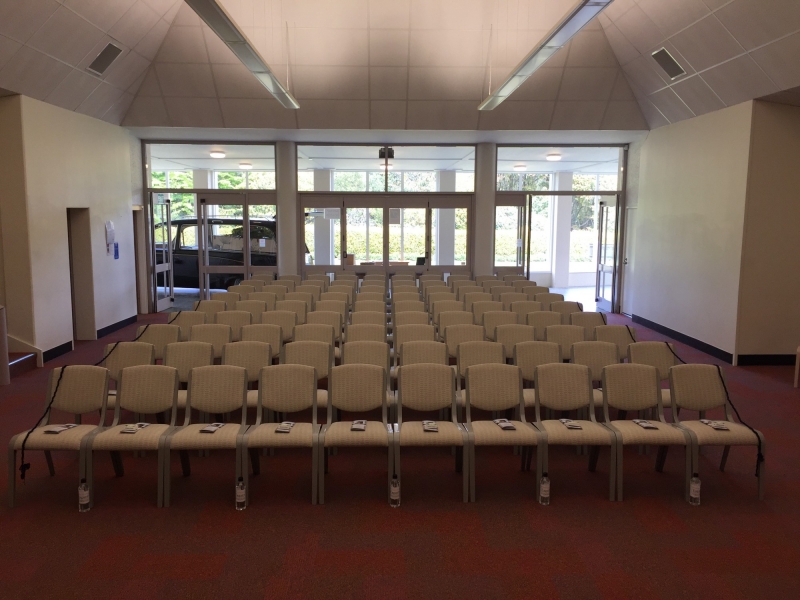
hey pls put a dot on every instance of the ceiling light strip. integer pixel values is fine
(575, 20)
(221, 23)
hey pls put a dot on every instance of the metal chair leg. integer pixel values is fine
(49, 458)
(724, 458)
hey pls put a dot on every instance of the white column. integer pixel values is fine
(286, 182)
(445, 223)
(323, 228)
(203, 179)
(561, 231)
(485, 191)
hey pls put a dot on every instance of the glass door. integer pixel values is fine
(224, 241)
(163, 240)
(605, 288)
(364, 236)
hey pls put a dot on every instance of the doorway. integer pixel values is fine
(81, 278)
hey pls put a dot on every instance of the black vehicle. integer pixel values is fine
(226, 248)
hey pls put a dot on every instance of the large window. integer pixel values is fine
(583, 225)
(364, 236)
(449, 236)
(244, 180)
(323, 236)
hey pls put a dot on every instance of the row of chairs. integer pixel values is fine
(356, 389)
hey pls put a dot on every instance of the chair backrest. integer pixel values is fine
(367, 296)
(564, 336)
(236, 319)
(159, 335)
(466, 287)
(432, 277)
(532, 290)
(411, 333)
(489, 286)
(561, 386)
(494, 387)
(229, 298)
(185, 356)
(630, 387)
(595, 355)
(453, 278)
(410, 318)
(409, 306)
(341, 288)
(655, 354)
(432, 286)
(481, 278)
(370, 306)
(366, 353)
(264, 332)
(318, 332)
(263, 277)
(440, 306)
(478, 353)
(242, 290)
(313, 354)
(458, 334)
(438, 296)
(216, 334)
(541, 320)
(589, 321)
(305, 297)
(321, 284)
(334, 297)
(324, 277)
(331, 318)
(278, 289)
(185, 319)
(369, 317)
(405, 287)
(287, 389)
(455, 317)
(423, 352)
(254, 307)
(252, 356)
(268, 298)
(83, 389)
(494, 318)
(373, 287)
(473, 297)
(699, 388)
(257, 284)
(299, 307)
(314, 290)
(523, 308)
(425, 387)
(529, 355)
(209, 307)
(547, 299)
(404, 297)
(520, 284)
(217, 389)
(127, 354)
(481, 307)
(296, 279)
(565, 309)
(621, 335)
(508, 298)
(510, 278)
(366, 332)
(147, 390)
(512, 334)
(286, 319)
(357, 388)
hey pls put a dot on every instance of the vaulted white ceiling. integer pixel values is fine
(731, 50)
(46, 45)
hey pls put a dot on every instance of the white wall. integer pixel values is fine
(690, 216)
(70, 161)
(769, 296)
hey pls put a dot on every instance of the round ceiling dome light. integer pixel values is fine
(217, 154)
(389, 166)
(520, 167)
(245, 166)
(553, 157)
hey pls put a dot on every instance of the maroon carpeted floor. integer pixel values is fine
(651, 545)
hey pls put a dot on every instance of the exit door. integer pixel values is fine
(605, 287)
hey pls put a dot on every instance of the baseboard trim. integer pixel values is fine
(685, 339)
(49, 355)
(774, 360)
(116, 326)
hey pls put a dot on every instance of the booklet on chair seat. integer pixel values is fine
(285, 427)
(718, 425)
(59, 428)
(134, 427)
(212, 428)
(430, 426)
(644, 424)
(505, 424)
(359, 425)
(570, 424)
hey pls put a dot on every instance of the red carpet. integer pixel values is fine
(651, 545)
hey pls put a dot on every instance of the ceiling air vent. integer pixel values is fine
(669, 64)
(104, 59)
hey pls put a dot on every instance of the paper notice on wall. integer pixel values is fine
(262, 242)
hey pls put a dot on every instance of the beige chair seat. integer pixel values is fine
(412, 434)
(190, 438)
(592, 434)
(486, 433)
(66, 440)
(339, 434)
(737, 435)
(529, 397)
(144, 439)
(666, 435)
(300, 436)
